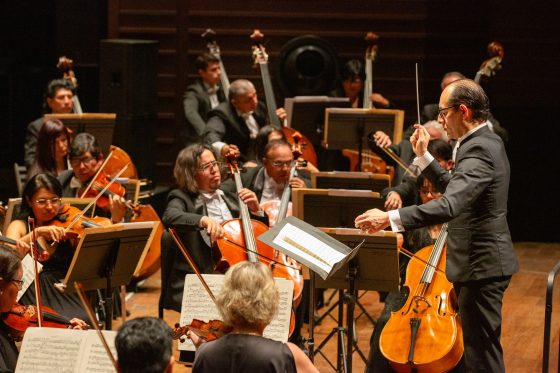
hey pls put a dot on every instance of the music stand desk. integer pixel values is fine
(350, 180)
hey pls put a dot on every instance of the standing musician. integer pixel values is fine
(248, 301)
(202, 96)
(41, 200)
(57, 100)
(234, 125)
(11, 273)
(86, 159)
(196, 208)
(480, 256)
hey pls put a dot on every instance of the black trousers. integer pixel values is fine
(480, 308)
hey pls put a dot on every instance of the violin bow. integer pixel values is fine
(190, 260)
(89, 311)
(35, 255)
(97, 174)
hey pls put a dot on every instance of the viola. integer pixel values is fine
(21, 317)
(209, 331)
(425, 335)
(116, 160)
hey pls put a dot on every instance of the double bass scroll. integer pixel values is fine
(214, 49)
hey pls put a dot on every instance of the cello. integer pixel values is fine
(260, 58)
(425, 335)
(239, 243)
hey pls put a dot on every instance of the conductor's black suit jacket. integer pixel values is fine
(479, 244)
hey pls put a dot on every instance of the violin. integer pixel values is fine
(99, 182)
(209, 331)
(21, 317)
(425, 334)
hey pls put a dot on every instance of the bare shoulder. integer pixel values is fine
(303, 364)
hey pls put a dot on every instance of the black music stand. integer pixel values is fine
(376, 267)
(307, 114)
(107, 257)
(340, 124)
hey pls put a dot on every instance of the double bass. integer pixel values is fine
(214, 49)
(65, 66)
(260, 58)
(425, 335)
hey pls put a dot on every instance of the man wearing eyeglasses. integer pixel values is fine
(196, 209)
(480, 256)
(85, 159)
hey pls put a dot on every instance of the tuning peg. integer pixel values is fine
(177, 324)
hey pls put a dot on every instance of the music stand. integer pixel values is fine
(107, 257)
(340, 124)
(307, 114)
(379, 257)
(350, 180)
(100, 125)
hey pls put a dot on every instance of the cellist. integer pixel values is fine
(86, 159)
(196, 208)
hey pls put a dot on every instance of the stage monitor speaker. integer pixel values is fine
(307, 66)
(128, 77)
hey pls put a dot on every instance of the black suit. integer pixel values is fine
(196, 105)
(226, 126)
(184, 212)
(31, 136)
(480, 256)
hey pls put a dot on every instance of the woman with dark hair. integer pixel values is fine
(52, 149)
(10, 283)
(41, 200)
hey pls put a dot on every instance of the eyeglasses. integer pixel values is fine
(428, 191)
(208, 166)
(280, 164)
(74, 162)
(443, 112)
(19, 282)
(42, 202)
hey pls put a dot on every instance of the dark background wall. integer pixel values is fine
(440, 35)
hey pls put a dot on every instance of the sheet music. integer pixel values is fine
(28, 274)
(305, 245)
(197, 304)
(63, 350)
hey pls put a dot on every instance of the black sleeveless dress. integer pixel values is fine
(244, 353)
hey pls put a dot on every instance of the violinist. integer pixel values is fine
(248, 301)
(86, 159)
(41, 200)
(11, 273)
(52, 149)
(144, 346)
(57, 100)
(480, 257)
(201, 96)
(234, 125)
(196, 208)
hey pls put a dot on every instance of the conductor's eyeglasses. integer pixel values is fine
(443, 112)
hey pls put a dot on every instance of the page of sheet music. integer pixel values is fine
(308, 247)
(94, 356)
(28, 273)
(197, 304)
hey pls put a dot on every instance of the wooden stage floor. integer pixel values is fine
(523, 325)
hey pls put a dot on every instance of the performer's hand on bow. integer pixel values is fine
(372, 221)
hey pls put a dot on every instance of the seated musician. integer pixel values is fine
(41, 200)
(144, 346)
(414, 240)
(196, 208)
(201, 96)
(248, 301)
(57, 100)
(234, 125)
(52, 149)
(268, 181)
(86, 158)
(406, 193)
(403, 149)
(11, 273)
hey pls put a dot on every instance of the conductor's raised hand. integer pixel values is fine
(419, 140)
(372, 221)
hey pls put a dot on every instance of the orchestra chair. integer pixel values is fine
(20, 173)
